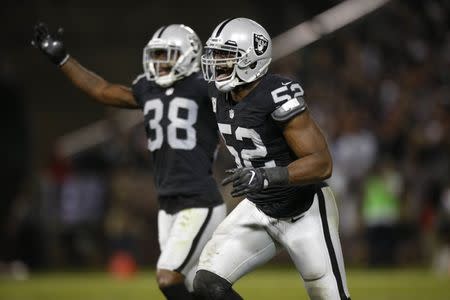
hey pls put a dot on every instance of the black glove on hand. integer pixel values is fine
(50, 45)
(252, 180)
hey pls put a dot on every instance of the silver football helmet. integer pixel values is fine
(239, 51)
(172, 53)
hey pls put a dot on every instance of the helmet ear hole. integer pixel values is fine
(253, 65)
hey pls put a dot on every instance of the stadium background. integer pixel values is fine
(378, 87)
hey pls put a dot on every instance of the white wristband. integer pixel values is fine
(64, 60)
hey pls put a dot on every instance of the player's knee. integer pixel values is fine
(210, 285)
(322, 288)
(166, 278)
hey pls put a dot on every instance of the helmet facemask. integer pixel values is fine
(244, 57)
(228, 66)
(161, 63)
(219, 65)
(172, 54)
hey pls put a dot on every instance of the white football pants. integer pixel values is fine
(182, 237)
(248, 238)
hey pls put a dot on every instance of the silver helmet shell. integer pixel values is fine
(182, 49)
(240, 45)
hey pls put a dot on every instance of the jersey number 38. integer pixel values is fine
(189, 139)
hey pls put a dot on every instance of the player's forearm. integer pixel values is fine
(97, 87)
(84, 79)
(311, 168)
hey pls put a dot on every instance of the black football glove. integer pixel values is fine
(252, 180)
(51, 45)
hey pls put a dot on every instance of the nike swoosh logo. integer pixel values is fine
(295, 219)
(251, 178)
(286, 83)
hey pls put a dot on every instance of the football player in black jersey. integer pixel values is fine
(282, 160)
(182, 138)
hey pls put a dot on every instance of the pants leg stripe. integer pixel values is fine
(196, 240)
(331, 253)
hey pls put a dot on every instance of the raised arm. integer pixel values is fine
(95, 86)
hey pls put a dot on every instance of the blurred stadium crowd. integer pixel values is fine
(379, 88)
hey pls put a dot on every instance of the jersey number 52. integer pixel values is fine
(244, 157)
(175, 122)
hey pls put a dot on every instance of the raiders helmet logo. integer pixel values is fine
(260, 44)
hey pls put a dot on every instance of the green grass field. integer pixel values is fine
(265, 284)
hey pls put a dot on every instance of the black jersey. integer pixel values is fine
(182, 138)
(255, 139)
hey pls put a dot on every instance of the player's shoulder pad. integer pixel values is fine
(142, 84)
(198, 75)
(287, 94)
(139, 78)
(275, 80)
(289, 109)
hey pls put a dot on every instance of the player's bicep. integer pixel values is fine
(304, 136)
(118, 95)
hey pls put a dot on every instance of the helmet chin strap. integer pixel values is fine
(166, 80)
(227, 85)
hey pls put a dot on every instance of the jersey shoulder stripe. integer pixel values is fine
(138, 78)
(141, 86)
(286, 95)
(289, 109)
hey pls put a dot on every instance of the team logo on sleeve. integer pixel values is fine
(260, 44)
